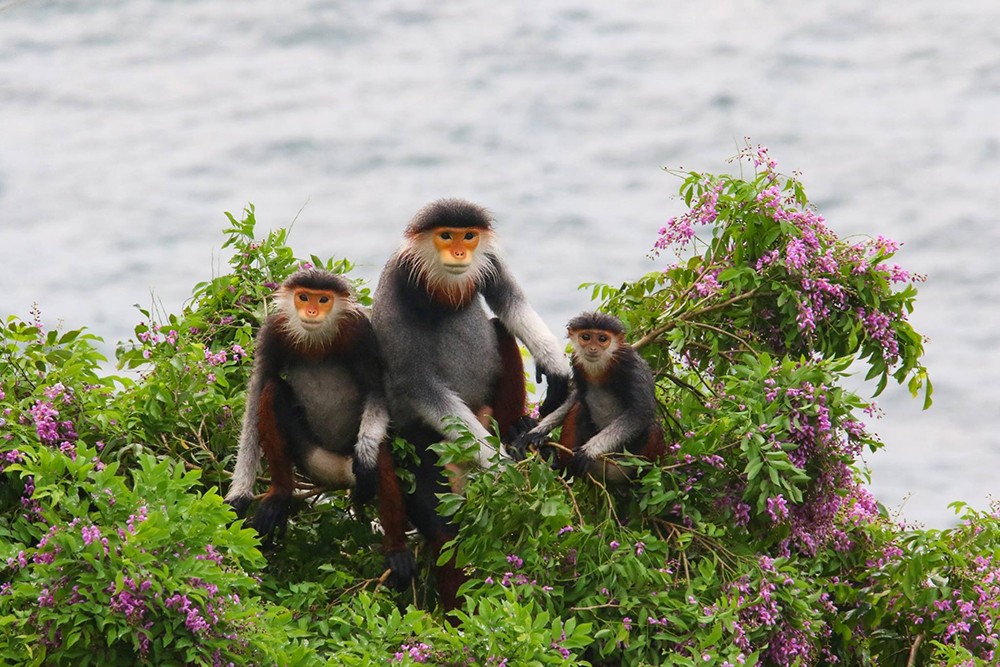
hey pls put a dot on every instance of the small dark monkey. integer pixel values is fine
(612, 408)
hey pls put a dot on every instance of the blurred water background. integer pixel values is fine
(127, 128)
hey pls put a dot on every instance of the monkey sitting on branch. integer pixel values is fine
(446, 358)
(315, 401)
(611, 409)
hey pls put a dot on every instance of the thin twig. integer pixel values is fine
(684, 317)
(611, 502)
(572, 497)
(608, 605)
(918, 640)
(723, 332)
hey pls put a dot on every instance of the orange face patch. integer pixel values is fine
(456, 246)
(313, 305)
(592, 342)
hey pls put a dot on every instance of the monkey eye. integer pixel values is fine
(603, 338)
(324, 299)
(585, 337)
(445, 236)
(303, 296)
(469, 236)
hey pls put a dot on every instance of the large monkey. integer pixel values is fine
(315, 401)
(612, 408)
(444, 356)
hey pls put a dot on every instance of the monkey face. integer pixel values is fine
(313, 306)
(594, 348)
(593, 343)
(456, 247)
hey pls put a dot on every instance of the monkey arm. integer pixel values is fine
(538, 435)
(366, 366)
(249, 453)
(613, 438)
(437, 406)
(374, 426)
(371, 435)
(556, 417)
(505, 297)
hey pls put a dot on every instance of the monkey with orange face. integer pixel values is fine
(612, 408)
(315, 401)
(445, 357)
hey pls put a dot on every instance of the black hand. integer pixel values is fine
(365, 481)
(271, 519)
(579, 464)
(402, 566)
(240, 504)
(555, 393)
(520, 427)
(530, 440)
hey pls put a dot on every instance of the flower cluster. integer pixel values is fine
(803, 270)
(761, 613)
(680, 230)
(418, 652)
(816, 445)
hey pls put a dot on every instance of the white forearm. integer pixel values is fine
(556, 417)
(612, 438)
(373, 429)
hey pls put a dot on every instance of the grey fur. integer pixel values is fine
(443, 361)
(616, 423)
(429, 377)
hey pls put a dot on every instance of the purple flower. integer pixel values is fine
(777, 508)
(416, 652)
(90, 534)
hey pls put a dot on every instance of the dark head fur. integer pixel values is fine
(449, 213)
(345, 307)
(595, 320)
(318, 279)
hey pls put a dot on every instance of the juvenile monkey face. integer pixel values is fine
(313, 306)
(593, 347)
(456, 247)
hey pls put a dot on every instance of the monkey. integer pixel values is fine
(315, 401)
(445, 357)
(611, 409)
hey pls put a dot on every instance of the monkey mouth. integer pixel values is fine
(456, 269)
(309, 325)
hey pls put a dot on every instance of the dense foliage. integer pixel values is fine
(756, 542)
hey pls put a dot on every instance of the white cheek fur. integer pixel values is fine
(426, 259)
(285, 303)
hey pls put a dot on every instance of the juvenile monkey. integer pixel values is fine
(443, 354)
(315, 401)
(612, 408)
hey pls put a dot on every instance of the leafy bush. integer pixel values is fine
(755, 542)
(103, 567)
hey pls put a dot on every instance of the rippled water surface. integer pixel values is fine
(127, 128)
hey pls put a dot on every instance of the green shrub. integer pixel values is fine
(755, 542)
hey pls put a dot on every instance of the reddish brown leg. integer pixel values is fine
(510, 396)
(272, 516)
(568, 438)
(392, 515)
